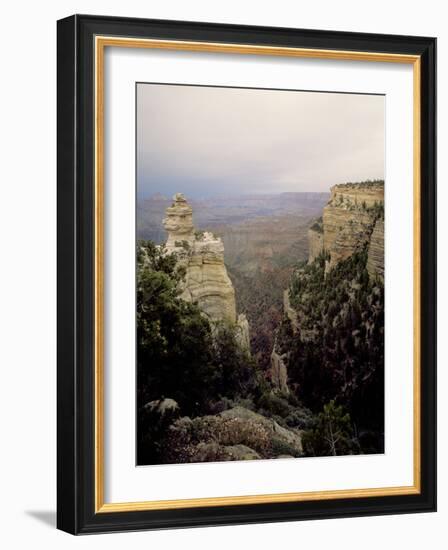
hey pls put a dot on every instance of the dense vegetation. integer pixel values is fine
(318, 225)
(260, 296)
(190, 374)
(178, 357)
(338, 352)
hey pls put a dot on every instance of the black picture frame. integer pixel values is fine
(76, 512)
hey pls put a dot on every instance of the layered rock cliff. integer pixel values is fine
(348, 221)
(206, 280)
(375, 259)
(315, 240)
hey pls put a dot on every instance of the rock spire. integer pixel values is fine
(206, 282)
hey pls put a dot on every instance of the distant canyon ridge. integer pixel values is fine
(258, 231)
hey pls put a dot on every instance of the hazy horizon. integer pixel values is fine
(226, 142)
(235, 195)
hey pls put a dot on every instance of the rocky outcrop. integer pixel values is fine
(234, 434)
(279, 371)
(206, 281)
(375, 258)
(278, 436)
(242, 332)
(179, 224)
(279, 360)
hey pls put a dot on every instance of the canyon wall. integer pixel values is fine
(348, 221)
(375, 259)
(315, 240)
(352, 219)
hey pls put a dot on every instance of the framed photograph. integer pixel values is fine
(246, 274)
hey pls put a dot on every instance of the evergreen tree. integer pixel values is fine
(332, 435)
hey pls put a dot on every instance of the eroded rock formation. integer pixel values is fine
(202, 254)
(179, 224)
(279, 371)
(206, 281)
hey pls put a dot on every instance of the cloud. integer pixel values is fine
(207, 141)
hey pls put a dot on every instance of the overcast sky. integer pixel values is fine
(205, 141)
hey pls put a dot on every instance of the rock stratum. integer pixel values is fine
(315, 240)
(206, 280)
(375, 259)
(349, 223)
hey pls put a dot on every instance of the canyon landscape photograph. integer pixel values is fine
(259, 274)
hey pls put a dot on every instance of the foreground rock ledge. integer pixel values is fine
(234, 434)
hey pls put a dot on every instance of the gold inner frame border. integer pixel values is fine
(100, 43)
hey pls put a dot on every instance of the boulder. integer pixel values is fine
(163, 406)
(234, 434)
(279, 437)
